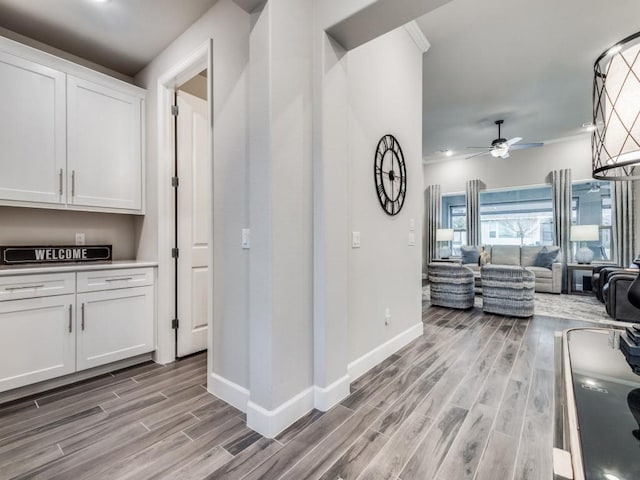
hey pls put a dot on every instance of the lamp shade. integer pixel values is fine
(444, 234)
(585, 233)
(615, 143)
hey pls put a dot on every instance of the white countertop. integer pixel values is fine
(6, 270)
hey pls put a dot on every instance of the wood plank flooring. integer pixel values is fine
(471, 399)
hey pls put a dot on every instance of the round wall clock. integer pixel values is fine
(390, 175)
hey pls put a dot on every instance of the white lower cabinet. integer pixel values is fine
(114, 325)
(37, 340)
(56, 324)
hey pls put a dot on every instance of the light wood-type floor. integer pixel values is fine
(471, 399)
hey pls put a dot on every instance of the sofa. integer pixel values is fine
(543, 261)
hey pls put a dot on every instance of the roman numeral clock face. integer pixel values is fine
(390, 175)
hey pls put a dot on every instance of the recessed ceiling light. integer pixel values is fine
(448, 153)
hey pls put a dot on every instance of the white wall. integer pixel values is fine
(523, 167)
(385, 96)
(281, 203)
(228, 25)
(33, 226)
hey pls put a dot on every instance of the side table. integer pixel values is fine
(571, 269)
(447, 260)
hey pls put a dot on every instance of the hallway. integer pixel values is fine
(472, 398)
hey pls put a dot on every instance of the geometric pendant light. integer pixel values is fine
(615, 143)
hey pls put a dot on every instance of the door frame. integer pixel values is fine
(198, 60)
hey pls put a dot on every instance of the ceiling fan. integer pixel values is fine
(500, 147)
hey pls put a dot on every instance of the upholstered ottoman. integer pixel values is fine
(451, 285)
(508, 290)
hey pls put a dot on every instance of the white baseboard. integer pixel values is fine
(327, 397)
(381, 352)
(230, 392)
(270, 423)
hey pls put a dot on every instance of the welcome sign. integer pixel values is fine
(54, 254)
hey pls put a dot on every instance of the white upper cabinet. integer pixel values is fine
(71, 137)
(32, 131)
(104, 138)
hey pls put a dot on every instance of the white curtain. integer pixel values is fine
(473, 212)
(433, 208)
(561, 196)
(624, 218)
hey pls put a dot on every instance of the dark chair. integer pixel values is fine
(599, 279)
(615, 296)
(633, 294)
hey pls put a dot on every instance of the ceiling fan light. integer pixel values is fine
(499, 150)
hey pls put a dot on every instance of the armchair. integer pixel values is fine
(599, 278)
(615, 296)
(451, 285)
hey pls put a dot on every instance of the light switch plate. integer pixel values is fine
(80, 239)
(412, 224)
(246, 238)
(412, 239)
(355, 239)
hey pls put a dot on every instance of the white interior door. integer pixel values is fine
(194, 215)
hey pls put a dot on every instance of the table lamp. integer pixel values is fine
(584, 233)
(444, 235)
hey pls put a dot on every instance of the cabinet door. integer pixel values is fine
(32, 132)
(104, 142)
(37, 340)
(114, 325)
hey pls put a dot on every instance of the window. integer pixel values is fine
(519, 216)
(454, 215)
(591, 205)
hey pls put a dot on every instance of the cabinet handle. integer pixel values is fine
(123, 279)
(10, 289)
(70, 318)
(60, 182)
(82, 317)
(73, 183)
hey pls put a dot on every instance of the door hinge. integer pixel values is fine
(175, 181)
(175, 323)
(175, 252)
(174, 110)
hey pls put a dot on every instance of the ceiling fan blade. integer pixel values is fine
(526, 145)
(479, 147)
(477, 154)
(506, 155)
(513, 140)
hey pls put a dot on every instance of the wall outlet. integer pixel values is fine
(412, 224)
(412, 239)
(79, 238)
(246, 238)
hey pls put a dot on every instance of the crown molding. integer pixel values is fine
(417, 35)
